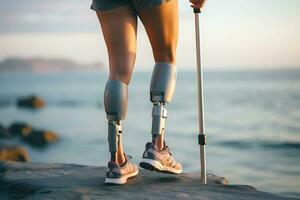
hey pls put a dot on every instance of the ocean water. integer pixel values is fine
(252, 122)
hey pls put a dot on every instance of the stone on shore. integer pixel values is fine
(19, 129)
(32, 102)
(4, 133)
(34, 137)
(13, 153)
(40, 138)
(69, 181)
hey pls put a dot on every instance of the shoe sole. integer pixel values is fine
(154, 165)
(120, 181)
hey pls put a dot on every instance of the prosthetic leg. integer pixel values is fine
(115, 102)
(162, 88)
(157, 157)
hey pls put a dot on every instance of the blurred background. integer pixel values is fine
(251, 55)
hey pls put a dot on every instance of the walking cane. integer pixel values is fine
(201, 135)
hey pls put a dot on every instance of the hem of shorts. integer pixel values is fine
(99, 8)
(159, 4)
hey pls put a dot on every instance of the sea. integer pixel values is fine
(252, 121)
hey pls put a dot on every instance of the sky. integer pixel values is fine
(256, 34)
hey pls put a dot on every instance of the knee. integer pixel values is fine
(167, 54)
(121, 71)
(122, 74)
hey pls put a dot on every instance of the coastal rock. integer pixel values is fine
(4, 133)
(33, 102)
(37, 138)
(20, 129)
(69, 181)
(40, 138)
(13, 153)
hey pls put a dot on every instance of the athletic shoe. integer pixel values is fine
(119, 174)
(159, 160)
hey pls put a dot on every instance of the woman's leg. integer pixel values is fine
(119, 30)
(161, 24)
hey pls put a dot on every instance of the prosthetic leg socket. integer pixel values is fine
(115, 103)
(163, 82)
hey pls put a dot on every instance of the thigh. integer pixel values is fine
(161, 24)
(119, 27)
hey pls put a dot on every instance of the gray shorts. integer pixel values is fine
(138, 5)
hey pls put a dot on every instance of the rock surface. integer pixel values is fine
(68, 181)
